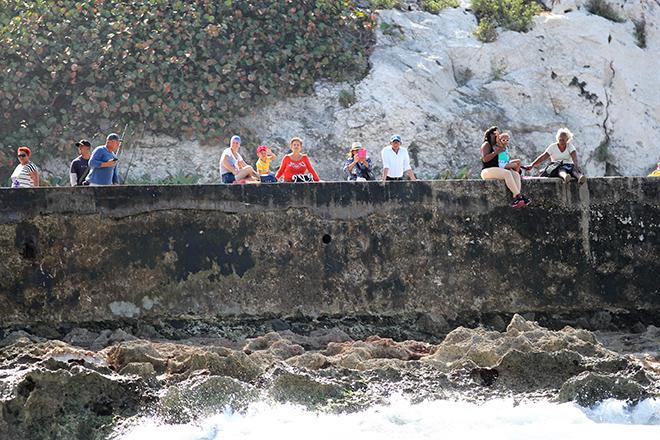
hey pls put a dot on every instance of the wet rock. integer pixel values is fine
(81, 337)
(145, 370)
(106, 338)
(183, 360)
(601, 320)
(20, 336)
(69, 404)
(433, 325)
(589, 388)
(304, 389)
(526, 356)
(310, 361)
(200, 397)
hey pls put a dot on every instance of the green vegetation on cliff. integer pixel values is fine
(75, 68)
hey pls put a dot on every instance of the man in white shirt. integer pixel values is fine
(396, 161)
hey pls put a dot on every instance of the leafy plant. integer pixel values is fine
(514, 15)
(435, 6)
(184, 68)
(346, 98)
(386, 4)
(605, 10)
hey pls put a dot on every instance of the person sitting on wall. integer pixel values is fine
(503, 158)
(103, 163)
(232, 166)
(266, 156)
(26, 173)
(80, 165)
(490, 151)
(295, 166)
(358, 166)
(655, 173)
(563, 159)
(396, 161)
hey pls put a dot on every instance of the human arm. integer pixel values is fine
(310, 168)
(487, 156)
(575, 161)
(34, 175)
(350, 164)
(73, 177)
(407, 168)
(270, 155)
(538, 161)
(229, 164)
(386, 165)
(282, 168)
(115, 176)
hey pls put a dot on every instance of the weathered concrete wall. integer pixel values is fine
(446, 250)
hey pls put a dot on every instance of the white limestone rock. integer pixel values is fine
(435, 84)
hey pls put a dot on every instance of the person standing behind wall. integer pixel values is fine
(80, 165)
(396, 161)
(26, 174)
(103, 163)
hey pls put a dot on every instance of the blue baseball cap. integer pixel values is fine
(236, 138)
(396, 137)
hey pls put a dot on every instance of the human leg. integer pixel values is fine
(564, 175)
(502, 174)
(246, 173)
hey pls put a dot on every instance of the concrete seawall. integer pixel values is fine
(443, 252)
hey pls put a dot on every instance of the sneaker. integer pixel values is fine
(518, 203)
(582, 180)
(527, 200)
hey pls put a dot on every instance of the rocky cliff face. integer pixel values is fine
(434, 83)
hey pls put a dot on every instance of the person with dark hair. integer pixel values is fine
(396, 161)
(295, 166)
(80, 165)
(26, 174)
(490, 150)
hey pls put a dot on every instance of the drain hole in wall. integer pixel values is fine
(326, 239)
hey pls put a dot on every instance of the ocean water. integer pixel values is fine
(496, 419)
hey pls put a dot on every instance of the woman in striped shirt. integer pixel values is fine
(26, 174)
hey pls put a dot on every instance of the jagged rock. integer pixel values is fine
(304, 389)
(199, 397)
(81, 337)
(145, 370)
(183, 360)
(21, 337)
(67, 404)
(589, 388)
(310, 361)
(526, 356)
(275, 345)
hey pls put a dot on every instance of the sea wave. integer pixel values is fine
(401, 419)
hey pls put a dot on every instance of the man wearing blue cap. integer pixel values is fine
(396, 161)
(103, 163)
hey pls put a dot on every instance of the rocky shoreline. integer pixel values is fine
(87, 383)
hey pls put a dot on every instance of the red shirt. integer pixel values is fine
(290, 167)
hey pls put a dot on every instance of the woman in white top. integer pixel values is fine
(563, 157)
(232, 166)
(26, 174)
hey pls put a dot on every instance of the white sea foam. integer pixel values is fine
(496, 419)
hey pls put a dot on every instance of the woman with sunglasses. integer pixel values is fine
(26, 174)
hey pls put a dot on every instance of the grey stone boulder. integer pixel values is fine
(589, 388)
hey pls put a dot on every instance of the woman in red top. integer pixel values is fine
(295, 166)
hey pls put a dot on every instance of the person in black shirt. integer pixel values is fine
(79, 165)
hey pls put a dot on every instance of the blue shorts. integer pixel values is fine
(268, 178)
(228, 178)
